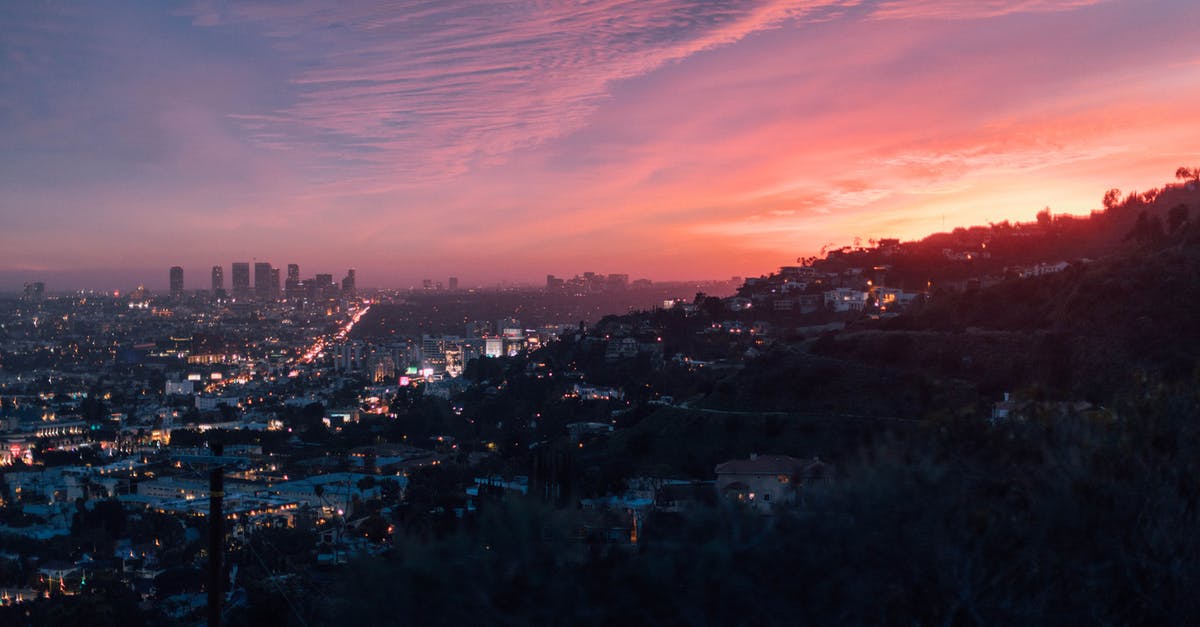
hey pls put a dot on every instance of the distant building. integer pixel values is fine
(323, 287)
(738, 303)
(510, 327)
(218, 281)
(176, 281)
(349, 289)
(453, 283)
(846, 299)
(178, 387)
(764, 481)
(262, 280)
(35, 291)
(273, 286)
(433, 353)
(291, 286)
(241, 279)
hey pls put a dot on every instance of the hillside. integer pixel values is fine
(1081, 333)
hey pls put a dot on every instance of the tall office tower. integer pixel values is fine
(241, 279)
(453, 284)
(218, 281)
(262, 280)
(433, 353)
(291, 287)
(273, 286)
(176, 281)
(35, 291)
(348, 288)
(325, 287)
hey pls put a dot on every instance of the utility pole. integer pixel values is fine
(216, 544)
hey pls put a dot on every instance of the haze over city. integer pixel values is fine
(664, 139)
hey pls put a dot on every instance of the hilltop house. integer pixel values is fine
(763, 481)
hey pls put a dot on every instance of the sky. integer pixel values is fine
(503, 141)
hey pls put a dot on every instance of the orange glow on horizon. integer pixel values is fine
(651, 145)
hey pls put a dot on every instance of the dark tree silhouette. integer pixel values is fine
(1176, 217)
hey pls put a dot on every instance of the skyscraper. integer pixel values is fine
(262, 280)
(176, 281)
(291, 287)
(348, 288)
(453, 283)
(241, 279)
(273, 286)
(324, 287)
(218, 281)
(35, 291)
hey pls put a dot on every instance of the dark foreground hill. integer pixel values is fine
(1081, 333)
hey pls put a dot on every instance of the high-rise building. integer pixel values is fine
(324, 287)
(262, 280)
(241, 279)
(433, 353)
(35, 291)
(349, 289)
(618, 281)
(453, 284)
(273, 286)
(176, 281)
(218, 281)
(291, 286)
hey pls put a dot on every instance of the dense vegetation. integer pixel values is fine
(1064, 521)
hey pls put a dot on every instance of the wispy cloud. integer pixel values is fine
(419, 90)
(512, 138)
(972, 9)
(428, 89)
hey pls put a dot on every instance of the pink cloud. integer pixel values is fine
(972, 9)
(662, 137)
(417, 90)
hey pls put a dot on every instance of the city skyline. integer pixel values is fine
(678, 141)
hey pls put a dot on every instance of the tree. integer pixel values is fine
(1148, 229)
(1185, 173)
(1176, 217)
(1112, 198)
(1044, 219)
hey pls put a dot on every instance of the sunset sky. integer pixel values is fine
(489, 140)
